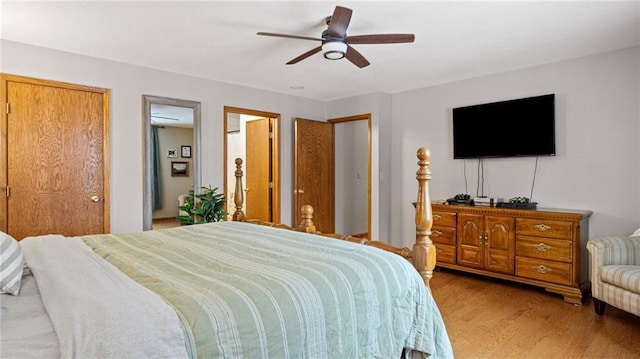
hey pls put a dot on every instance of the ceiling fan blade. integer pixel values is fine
(166, 118)
(290, 36)
(339, 22)
(380, 39)
(305, 55)
(356, 58)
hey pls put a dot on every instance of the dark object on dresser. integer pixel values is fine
(519, 203)
(528, 205)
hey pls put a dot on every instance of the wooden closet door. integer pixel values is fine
(56, 171)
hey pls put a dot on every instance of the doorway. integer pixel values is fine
(352, 140)
(172, 156)
(333, 173)
(254, 137)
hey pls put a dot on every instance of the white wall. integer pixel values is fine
(127, 84)
(597, 132)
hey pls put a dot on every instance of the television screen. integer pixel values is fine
(521, 127)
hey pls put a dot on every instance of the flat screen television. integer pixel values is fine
(520, 127)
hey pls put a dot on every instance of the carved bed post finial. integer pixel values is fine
(424, 253)
(238, 196)
(306, 225)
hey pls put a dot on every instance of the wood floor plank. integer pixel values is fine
(489, 318)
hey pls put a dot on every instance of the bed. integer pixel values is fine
(232, 289)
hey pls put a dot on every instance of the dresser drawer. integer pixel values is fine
(544, 228)
(443, 235)
(445, 254)
(544, 248)
(444, 219)
(555, 272)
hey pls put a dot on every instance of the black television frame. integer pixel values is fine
(521, 127)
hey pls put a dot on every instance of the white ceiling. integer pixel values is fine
(174, 116)
(217, 39)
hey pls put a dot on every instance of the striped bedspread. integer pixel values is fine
(250, 291)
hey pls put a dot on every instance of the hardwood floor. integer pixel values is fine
(159, 223)
(489, 318)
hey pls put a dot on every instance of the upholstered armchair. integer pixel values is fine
(180, 204)
(614, 270)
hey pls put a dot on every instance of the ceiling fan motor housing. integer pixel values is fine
(333, 48)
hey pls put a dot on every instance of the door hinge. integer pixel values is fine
(8, 191)
(8, 108)
(270, 184)
(270, 134)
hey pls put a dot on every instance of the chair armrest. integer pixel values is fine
(610, 251)
(614, 250)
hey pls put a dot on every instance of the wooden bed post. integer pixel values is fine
(306, 225)
(424, 253)
(238, 196)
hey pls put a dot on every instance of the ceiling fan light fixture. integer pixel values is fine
(334, 50)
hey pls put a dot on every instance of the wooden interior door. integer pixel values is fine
(56, 168)
(314, 172)
(258, 170)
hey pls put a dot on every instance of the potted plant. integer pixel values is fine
(208, 206)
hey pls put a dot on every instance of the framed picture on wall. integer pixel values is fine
(179, 169)
(185, 151)
(172, 153)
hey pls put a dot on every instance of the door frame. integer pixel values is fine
(275, 155)
(361, 117)
(106, 195)
(148, 100)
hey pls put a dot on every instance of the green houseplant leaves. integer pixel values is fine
(208, 206)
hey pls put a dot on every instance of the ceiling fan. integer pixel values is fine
(335, 42)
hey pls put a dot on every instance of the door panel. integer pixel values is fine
(499, 247)
(314, 172)
(470, 238)
(257, 194)
(56, 138)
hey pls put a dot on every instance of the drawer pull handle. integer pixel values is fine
(438, 250)
(542, 227)
(542, 269)
(541, 247)
(436, 233)
(436, 217)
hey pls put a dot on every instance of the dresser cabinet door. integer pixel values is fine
(499, 244)
(470, 233)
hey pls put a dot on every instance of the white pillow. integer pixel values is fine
(11, 264)
(636, 233)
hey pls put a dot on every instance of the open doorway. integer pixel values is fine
(332, 172)
(254, 137)
(352, 143)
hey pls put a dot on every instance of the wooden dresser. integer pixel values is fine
(543, 247)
